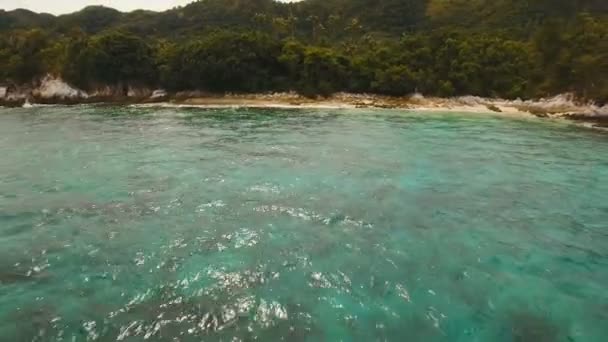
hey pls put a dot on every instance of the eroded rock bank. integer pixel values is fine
(53, 90)
(563, 106)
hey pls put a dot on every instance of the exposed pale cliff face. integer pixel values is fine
(139, 92)
(53, 90)
(56, 88)
(16, 93)
(49, 88)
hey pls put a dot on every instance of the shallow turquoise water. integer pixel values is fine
(300, 225)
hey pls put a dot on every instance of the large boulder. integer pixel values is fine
(159, 94)
(55, 88)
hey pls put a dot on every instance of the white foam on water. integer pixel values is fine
(402, 292)
(266, 188)
(242, 238)
(268, 312)
(212, 204)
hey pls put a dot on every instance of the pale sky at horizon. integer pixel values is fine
(68, 6)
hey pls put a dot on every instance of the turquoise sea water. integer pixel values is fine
(131, 224)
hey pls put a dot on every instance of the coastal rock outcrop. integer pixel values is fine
(56, 88)
(139, 92)
(159, 94)
(595, 119)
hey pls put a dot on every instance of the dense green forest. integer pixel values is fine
(502, 48)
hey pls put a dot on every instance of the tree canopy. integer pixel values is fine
(505, 48)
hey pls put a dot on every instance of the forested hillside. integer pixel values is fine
(502, 48)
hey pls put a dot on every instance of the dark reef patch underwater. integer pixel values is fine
(174, 224)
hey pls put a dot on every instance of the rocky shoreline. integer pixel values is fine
(52, 91)
(559, 107)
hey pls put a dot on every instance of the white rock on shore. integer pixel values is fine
(51, 87)
(158, 93)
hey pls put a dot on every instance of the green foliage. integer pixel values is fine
(315, 70)
(225, 61)
(574, 56)
(21, 57)
(24, 19)
(501, 48)
(92, 19)
(110, 58)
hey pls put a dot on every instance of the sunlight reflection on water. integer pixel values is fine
(307, 225)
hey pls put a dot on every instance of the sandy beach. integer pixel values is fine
(562, 106)
(55, 91)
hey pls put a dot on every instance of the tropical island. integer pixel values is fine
(516, 49)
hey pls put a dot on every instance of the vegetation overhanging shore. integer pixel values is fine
(562, 106)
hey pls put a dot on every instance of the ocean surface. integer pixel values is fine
(177, 224)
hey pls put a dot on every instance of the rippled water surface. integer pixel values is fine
(126, 224)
